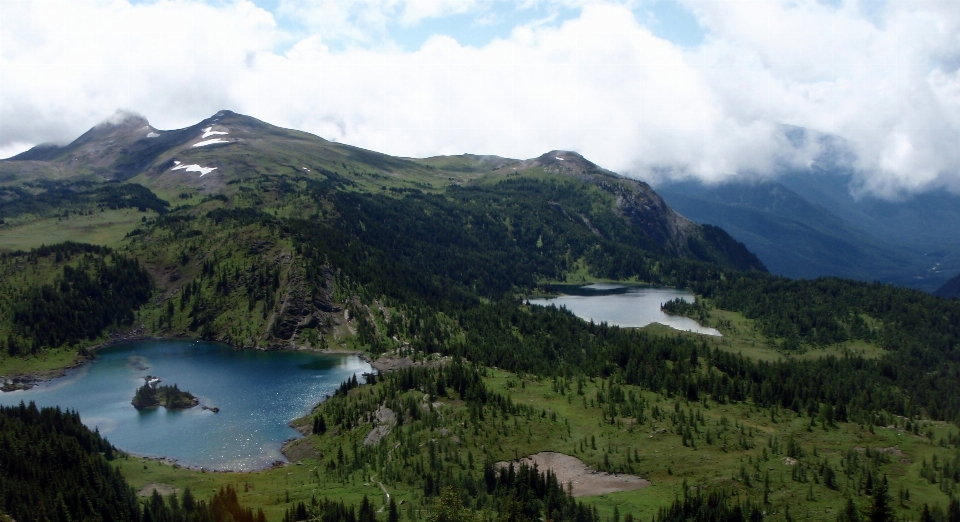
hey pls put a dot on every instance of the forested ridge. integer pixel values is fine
(466, 244)
(473, 242)
(95, 288)
(53, 198)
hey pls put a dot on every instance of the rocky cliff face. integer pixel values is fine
(299, 310)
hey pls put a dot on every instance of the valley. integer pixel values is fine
(810, 224)
(817, 393)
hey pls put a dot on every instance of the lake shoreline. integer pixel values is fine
(28, 380)
(626, 305)
(206, 369)
(176, 464)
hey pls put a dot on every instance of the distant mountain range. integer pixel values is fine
(807, 224)
(227, 149)
(801, 224)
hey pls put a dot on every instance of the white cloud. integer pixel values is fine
(355, 22)
(890, 89)
(67, 64)
(417, 10)
(602, 84)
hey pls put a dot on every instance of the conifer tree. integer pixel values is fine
(880, 510)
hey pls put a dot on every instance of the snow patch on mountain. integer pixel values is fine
(193, 168)
(153, 135)
(210, 132)
(210, 142)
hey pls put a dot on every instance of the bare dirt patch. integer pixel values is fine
(163, 489)
(585, 481)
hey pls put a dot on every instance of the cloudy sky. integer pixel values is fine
(690, 88)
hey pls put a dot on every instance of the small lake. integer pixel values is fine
(257, 392)
(624, 305)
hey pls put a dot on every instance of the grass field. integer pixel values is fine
(106, 228)
(48, 362)
(273, 490)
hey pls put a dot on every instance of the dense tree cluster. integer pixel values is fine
(327, 510)
(224, 506)
(60, 251)
(918, 330)
(548, 341)
(171, 397)
(47, 198)
(97, 292)
(54, 468)
(709, 507)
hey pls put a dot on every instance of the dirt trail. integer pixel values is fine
(585, 481)
(386, 495)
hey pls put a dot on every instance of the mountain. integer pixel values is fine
(217, 154)
(190, 203)
(950, 289)
(808, 224)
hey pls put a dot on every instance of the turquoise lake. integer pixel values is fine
(624, 305)
(257, 392)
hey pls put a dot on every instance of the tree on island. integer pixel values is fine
(146, 397)
(171, 397)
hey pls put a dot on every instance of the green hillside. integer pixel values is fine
(820, 395)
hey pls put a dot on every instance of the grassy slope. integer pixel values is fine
(663, 458)
(743, 336)
(106, 228)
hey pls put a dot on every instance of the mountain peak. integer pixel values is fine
(566, 158)
(123, 118)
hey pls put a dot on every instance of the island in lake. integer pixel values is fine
(151, 395)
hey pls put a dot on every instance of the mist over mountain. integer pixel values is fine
(808, 223)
